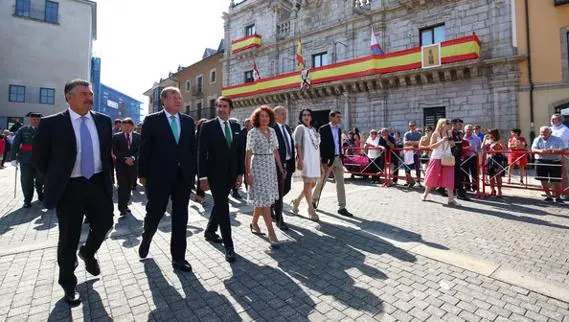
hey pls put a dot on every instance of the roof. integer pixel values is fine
(208, 52)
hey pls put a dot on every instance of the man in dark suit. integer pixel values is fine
(167, 167)
(73, 150)
(287, 155)
(331, 159)
(125, 149)
(220, 167)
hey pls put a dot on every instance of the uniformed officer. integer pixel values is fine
(22, 156)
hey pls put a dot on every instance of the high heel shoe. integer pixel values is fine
(313, 216)
(255, 232)
(275, 244)
(294, 205)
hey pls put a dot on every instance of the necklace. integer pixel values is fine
(314, 138)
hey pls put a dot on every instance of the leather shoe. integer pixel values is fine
(182, 265)
(462, 196)
(230, 255)
(27, 205)
(345, 212)
(40, 197)
(282, 226)
(91, 263)
(143, 248)
(213, 237)
(72, 298)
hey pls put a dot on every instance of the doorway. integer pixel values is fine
(431, 115)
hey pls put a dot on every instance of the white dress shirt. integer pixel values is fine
(561, 132)
(222, 124)
(92, 127)
(286, 137)
(177, 115)
(336, 138)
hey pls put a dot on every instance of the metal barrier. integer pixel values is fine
(495, 165)
(397, 162)
(357, 162)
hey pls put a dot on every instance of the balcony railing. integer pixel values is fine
(361, 6)
(36, 13)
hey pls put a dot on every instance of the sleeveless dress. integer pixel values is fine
(309, 140)
(264, 190)
(436, 174)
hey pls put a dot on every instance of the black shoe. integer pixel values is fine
(213, 237)
(236, 195)
(143, 248)
(40, 197)
(91, 263)
(282, 226)
(345, 212)
(182, 265)
(27, 205)
(548, 199)
(230, 255)
(463, 196)
(559, 200)
(72, 298)
(124, 213)
(254, 232)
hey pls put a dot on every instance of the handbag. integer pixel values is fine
(448, 161)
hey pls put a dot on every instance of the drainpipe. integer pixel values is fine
(530, 72)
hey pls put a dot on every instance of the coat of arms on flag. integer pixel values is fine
(305, 78)
(374, 44)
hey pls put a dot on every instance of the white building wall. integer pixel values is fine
(40, 54)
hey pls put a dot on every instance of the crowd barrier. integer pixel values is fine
(473, 166)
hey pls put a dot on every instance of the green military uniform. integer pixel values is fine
(22, 152)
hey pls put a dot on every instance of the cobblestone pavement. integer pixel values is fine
(380, 265)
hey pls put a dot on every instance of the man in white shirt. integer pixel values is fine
(73, 150)
(373, 153)
(561, 131)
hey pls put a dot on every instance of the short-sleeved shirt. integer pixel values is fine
(373, 153)
(412, 136)
(474, 144)
(561, 132)
(553, 142)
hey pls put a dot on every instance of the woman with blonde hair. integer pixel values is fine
(440, 170)
(307, 143)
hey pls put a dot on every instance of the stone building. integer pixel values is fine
(476, 78)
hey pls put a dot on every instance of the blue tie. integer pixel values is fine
(87, 155)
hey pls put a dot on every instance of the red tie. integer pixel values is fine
(128, 139)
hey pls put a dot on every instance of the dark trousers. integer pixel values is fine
(458, 177)
(126, 178)
(81, 197)
(470, 172)
(5, 156)
(158, 198)
(284, 188)
(220, 213)
(30, 177)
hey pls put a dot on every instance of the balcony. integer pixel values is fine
(43, 14)
(197, 91)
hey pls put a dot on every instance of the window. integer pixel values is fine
(188, 108)
(249, 76)
(212, 76)
(51, 11)
(432, 35)
(188, 85)
(23, 8)
(250, 30)
(199, 84)
(319, 60)
(560, 2)
(47, 96)
(17, 94)
(431, 115)
(212, 108)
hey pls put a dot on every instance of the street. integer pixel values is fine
(397, 259)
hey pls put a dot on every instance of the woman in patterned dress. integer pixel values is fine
(262, 153)
(307, 142)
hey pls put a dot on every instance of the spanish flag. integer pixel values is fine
(299, 58)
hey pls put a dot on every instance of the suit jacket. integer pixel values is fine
(327, 148)
(218, 162)
(290, 167)
(160, 156)
(55, 152)
(121, 150)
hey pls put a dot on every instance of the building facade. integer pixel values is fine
(201, 83)
(153, 93)
(544, 71)
(443, 58)
(44, 44)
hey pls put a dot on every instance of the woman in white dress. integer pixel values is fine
(307, 143)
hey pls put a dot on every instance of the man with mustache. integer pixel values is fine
(73, 151)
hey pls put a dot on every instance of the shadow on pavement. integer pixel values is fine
(91, 303)
(18, 217)
(266, 293)
(197, 302)
(330, 263)
(503, 215)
